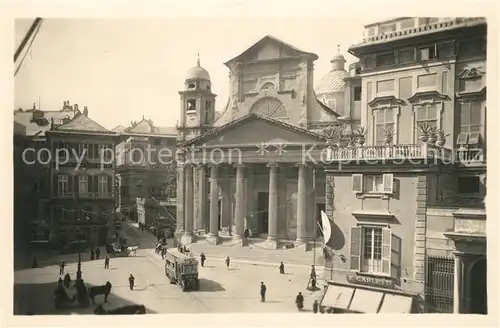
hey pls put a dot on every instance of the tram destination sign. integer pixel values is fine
(384, 282)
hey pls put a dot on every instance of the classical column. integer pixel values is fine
(187, 238)
(273, 206)
(180, 198)
(213, 234)
(239, 213)
(202, 197)
(301, 205)
(457, 284)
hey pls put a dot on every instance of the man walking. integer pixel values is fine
(228, 262)
(263, 289)
(61, 268)
(106, 262)
(202, 259)
(97, 253)
(282, 268)
(131, 281)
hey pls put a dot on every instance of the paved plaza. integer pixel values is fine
(234, 289)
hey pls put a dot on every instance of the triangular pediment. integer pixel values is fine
(256, 130)
(270, 47)
(82, 123)
(144, 126)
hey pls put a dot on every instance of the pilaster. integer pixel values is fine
(420, 229)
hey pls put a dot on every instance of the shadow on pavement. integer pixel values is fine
(38, 299)
(210, 286)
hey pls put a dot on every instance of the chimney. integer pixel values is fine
(85, 111)
(34, 106)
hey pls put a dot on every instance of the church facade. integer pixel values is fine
(253, 167)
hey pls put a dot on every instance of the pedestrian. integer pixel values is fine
(263, 289)
(92, 255)
(246, 233)
(202, 259)
(97, 253)
(106, 262)
(282, 268)
(163, 253)
(131, 281)
(315, 306)
(313, 272)
(61, 268)
(228, 262)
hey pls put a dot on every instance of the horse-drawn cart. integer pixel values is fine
(116, 250)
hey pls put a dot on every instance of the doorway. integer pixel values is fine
(479, 292)
(262, 210)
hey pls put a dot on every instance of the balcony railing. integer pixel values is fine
(85, 195)
(471, 155)
(390, 152)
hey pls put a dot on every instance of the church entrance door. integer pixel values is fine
(262, 211)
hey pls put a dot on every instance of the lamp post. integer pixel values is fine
(79, 265)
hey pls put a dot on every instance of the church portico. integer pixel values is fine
(274, 202)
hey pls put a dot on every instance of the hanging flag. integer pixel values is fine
(327, 228)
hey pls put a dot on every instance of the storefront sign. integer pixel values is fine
(371, 281)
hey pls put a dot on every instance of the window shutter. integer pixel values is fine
(55, 184)
(90, 183)
(355, 248)
(388, 181)
(395, 257)
(462, 138)
(71, 183)
(110, 183)
(357, 183)
(386, 250)
(474, 138)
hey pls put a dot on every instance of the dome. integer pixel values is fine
(338, 57)
(332, 82)
(198, 72)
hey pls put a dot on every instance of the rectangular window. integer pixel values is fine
(427, 114)
(406, 56)
(373, 183)
(357, 93)
(102, 185)
(384, 122)
(470, 117)
(446, 49)
(63, 185)
(208, 105)
(371, 261)
(385, 60)
(385, 86)
(83, 184)
(428, 52)
(372, 250)
(370, 62)
(427, 80)
(468, 185)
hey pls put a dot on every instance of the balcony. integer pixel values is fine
(390, 152)
(474, 156)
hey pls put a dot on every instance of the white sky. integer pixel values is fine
(123, 69)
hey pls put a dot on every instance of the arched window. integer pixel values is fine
(269, 107)
(268, 86)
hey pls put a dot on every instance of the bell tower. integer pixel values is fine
(197, 103)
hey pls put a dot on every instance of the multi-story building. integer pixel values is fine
(414, 220)
(146, 171)
(31, 170)
(82, 169)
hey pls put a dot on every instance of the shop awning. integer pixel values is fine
(351, 298)
(366, 301)
(338, 297)
(396, 304)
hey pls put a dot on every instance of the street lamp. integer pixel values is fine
(79, 265)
